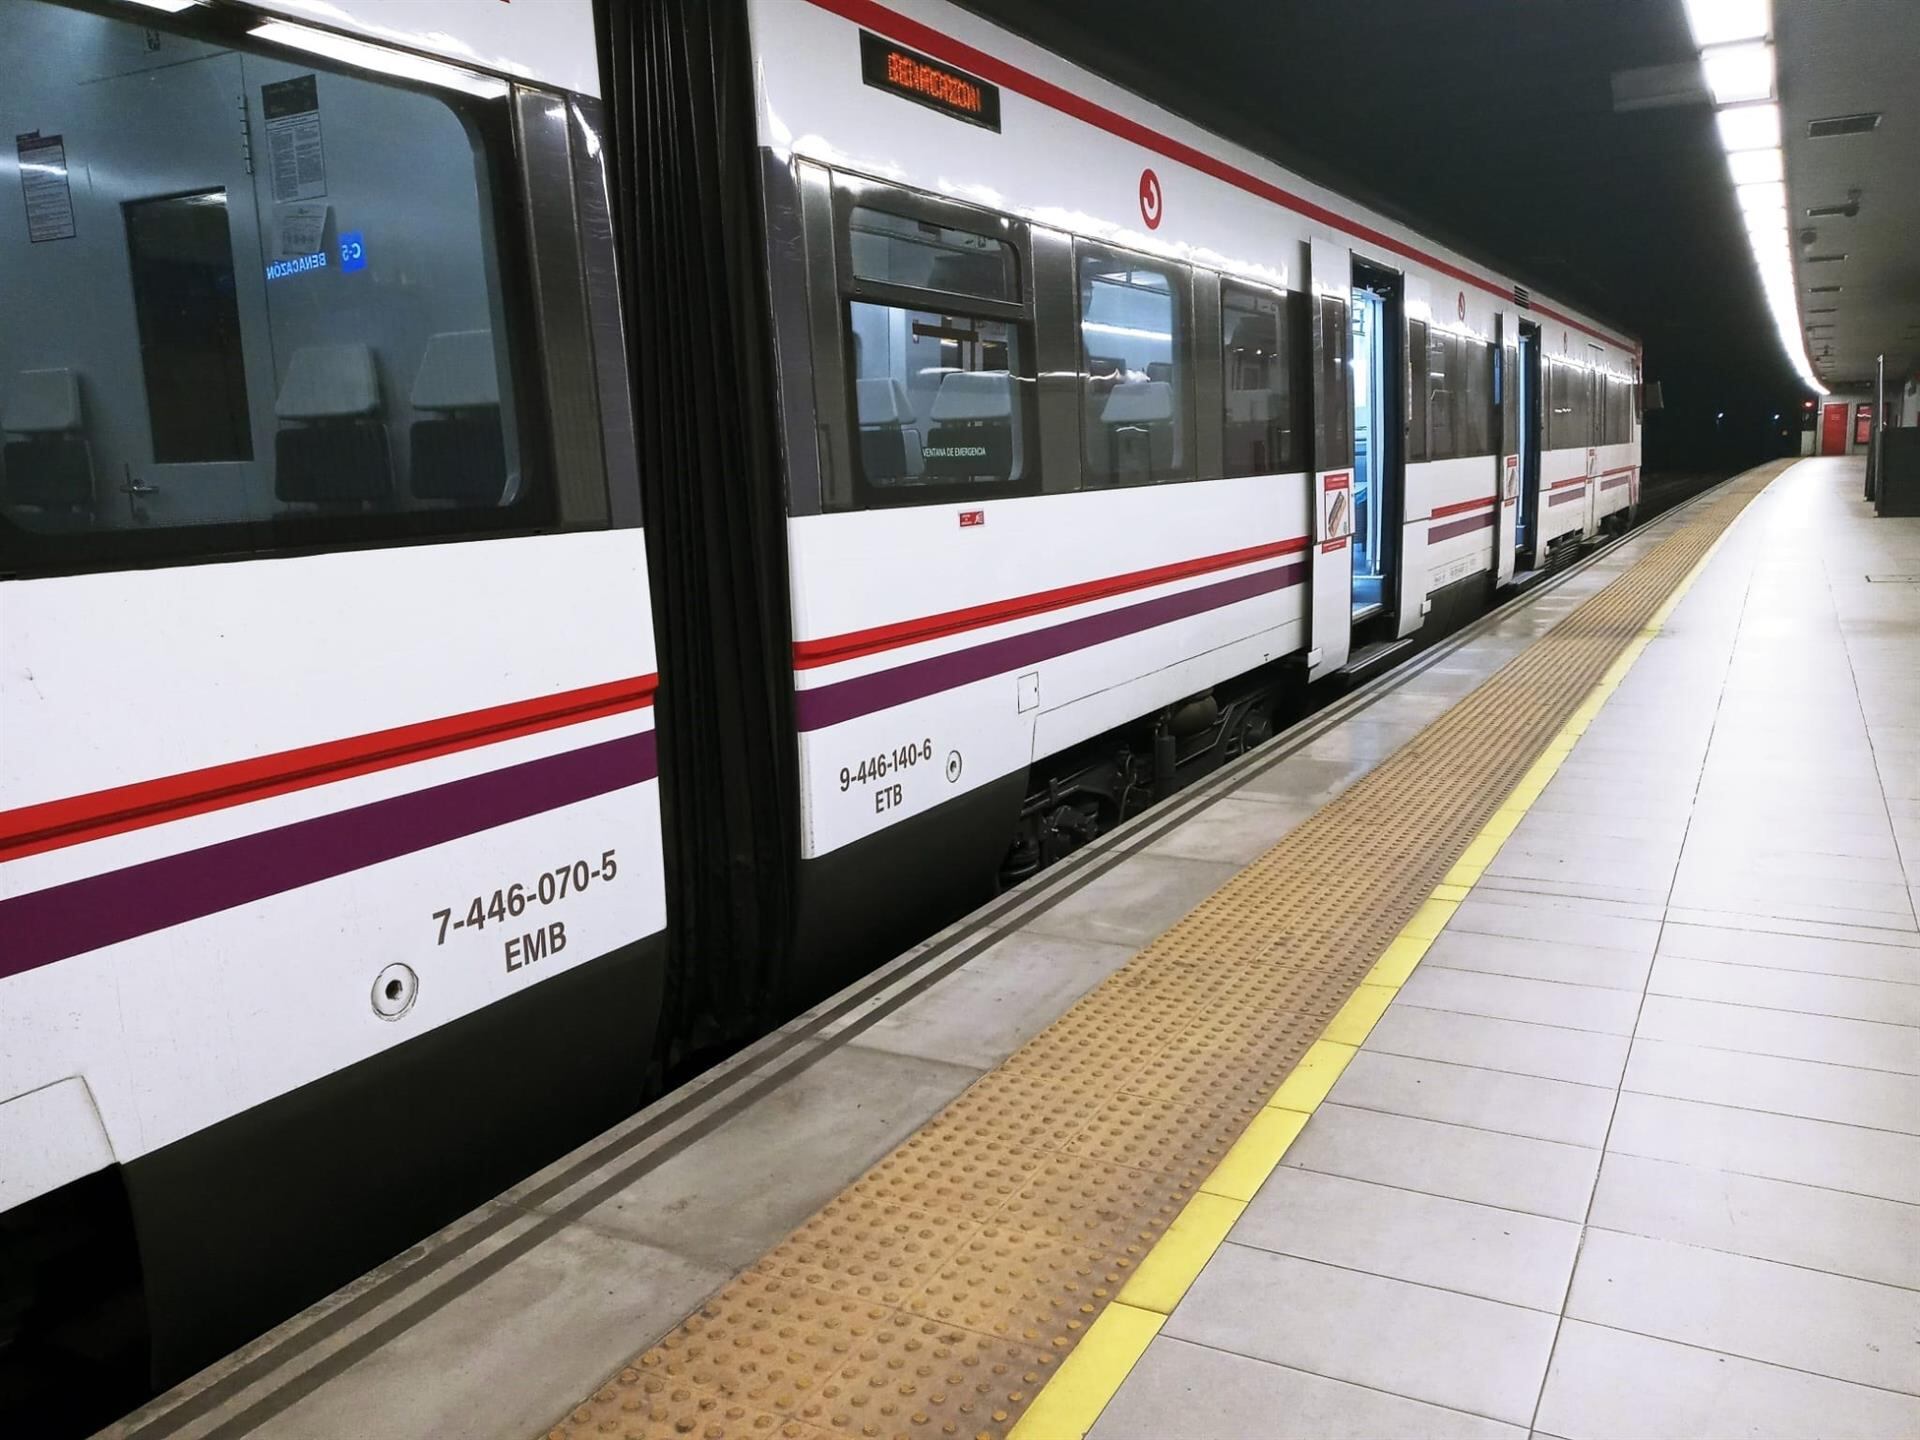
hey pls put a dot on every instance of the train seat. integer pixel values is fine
(1138, 416)
(457, 450)
(334, 453)
(48, 464)
(971, 431)
(889, 445)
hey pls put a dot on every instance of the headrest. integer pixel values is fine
(882, 401)
(974, 395)
(327, 382)
(42, 402)
(1139, 402)
(457, 372)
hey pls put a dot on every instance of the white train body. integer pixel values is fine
(1070, 590)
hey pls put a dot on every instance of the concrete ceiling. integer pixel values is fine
(1842, 58)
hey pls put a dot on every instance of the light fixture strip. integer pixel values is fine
(1737, 62)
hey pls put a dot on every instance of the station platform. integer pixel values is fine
(1528, 1043)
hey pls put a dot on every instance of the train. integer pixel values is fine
(514, 582)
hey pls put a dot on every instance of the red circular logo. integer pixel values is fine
(1461, 305)
(1150, 199)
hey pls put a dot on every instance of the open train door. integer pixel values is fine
(1506, 400)
(1330, 594)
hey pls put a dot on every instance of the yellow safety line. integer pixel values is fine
(1070, 1402)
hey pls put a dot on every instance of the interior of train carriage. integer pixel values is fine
(217, 323)
(1379, 462)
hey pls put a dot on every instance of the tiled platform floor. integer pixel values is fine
(1636, 1151)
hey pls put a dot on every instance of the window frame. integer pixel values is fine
(851, 192)
(1186, 386)
(1473, 425)
(1291, 310)
(512, 197)
(1417, 397)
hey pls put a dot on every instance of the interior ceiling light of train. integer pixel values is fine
(1735, 40)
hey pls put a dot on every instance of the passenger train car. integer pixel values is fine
(334, 860)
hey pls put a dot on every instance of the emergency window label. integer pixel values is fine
(295, 154)
(43, 182)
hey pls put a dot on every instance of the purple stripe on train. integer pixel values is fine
(1460, 527)
(48, 925)
(826, 705)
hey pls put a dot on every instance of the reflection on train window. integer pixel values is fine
(1335, 355)
(1561, 433)
(1264, 380)
(1133, 338)
(941, 402)
(1475, 388)
(1417, 411)
(1508, 398)
(266, 350)
(1619, 411)
(899, 250)
(1443, 365)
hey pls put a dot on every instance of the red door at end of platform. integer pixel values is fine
(1833, 429)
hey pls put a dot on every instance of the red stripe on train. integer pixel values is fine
(1460, 507)
(53, 824)
(829, 650)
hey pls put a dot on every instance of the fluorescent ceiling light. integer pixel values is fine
(1735, 73)
(398, 63)
(1749, 127)
(1721, 22)
(1767, 195)
(172, 7)
(1752, 167)
(1737, 64)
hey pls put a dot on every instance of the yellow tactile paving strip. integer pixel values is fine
(939, 1294)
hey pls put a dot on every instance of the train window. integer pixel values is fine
(922, 255)
(1417, 410)
(1334, 346)
(1443, 369)
(302, 344)
(1264, 380)
(943, 401)
(1560, 417)
(1507, 388)
(1475, 434)
(1134, 349)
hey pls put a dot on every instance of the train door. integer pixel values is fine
(1506, 403)
(1526, 530)
(1331, 593)
(1833, 429)
(1378, 409)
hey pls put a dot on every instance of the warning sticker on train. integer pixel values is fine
(1336, 508)
(925, 81)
